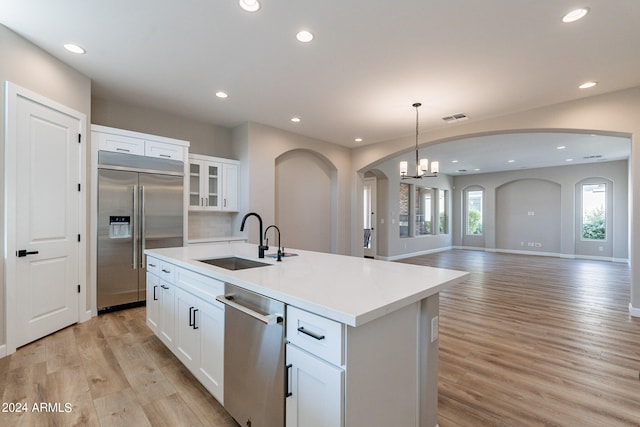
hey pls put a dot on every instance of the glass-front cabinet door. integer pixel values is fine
(195, 170)
(213, 183)
(212, 195)
(204, 185)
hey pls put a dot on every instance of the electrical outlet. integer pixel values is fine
(434, 329)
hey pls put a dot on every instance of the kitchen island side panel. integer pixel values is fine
(382, 371)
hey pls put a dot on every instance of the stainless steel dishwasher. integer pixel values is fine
(254, 377)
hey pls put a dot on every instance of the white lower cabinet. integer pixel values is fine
(315, 391)
(166, 315)
(153, 302)
(199, 340)
(183, 313)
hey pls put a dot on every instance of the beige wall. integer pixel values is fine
(304, 186)
(28, 66)
(258, 146)
(205, 138)
(566, 177)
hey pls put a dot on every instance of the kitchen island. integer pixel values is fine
(377, 361)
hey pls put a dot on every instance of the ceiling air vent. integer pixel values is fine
(455, 118)
(596, 156)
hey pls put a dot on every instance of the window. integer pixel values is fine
(442, 212)
(594, 215)
(424, 210)
(474, 202)
(403, 212)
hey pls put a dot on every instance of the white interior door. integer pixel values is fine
(43, 207)
(369, 219)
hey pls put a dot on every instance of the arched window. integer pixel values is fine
(593, 211)
(474, 208)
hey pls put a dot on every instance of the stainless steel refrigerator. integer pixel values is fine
(140, 206)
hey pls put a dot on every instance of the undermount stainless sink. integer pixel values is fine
(234, 263)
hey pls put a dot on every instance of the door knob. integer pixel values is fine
(24, 252)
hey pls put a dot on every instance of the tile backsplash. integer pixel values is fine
(203, 225)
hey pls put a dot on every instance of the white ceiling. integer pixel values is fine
(505, 152)
(369, 61)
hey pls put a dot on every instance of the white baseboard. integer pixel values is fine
(87, 315)
(3, 351)
(412, 254)
(634, 311)
(550, 254)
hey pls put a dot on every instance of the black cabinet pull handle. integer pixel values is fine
(194, 318)
(311, 334)
(166, 271)
(191, 316)
(155, 298)
(164, 287)
(288, 381)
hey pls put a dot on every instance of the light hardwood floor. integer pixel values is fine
(525, 341)
(113, 371)
(532, 341)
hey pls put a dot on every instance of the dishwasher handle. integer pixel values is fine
(267, 319)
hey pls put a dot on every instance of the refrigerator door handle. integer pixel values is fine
(134, 234)
(142, 226)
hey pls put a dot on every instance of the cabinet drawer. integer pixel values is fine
(163, 150)
(153, 266)
(201, 286)
(318, 335)
(167, 271)
(120, 144)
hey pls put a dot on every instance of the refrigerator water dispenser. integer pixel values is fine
(119, 227)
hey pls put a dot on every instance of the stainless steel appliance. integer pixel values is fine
(254, 378)
(140, 206)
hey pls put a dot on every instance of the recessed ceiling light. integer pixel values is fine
(250, 5)
(569, 160)
(575, 15)
(74, 48)
(511, 161)
(358, 140)
(295, 119)
(454, 161)
(476, 169)
(304, 36)
(561, 147)
(221, 94)
(587, 85)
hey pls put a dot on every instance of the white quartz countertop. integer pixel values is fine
(347, 289)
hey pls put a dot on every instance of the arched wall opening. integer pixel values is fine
(305, 200)
(528, 216)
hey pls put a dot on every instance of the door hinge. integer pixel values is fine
(78, 288)
(78, 237)
(79, 138)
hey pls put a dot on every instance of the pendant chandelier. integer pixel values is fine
(422, 165)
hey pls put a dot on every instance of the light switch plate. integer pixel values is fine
(434, 329)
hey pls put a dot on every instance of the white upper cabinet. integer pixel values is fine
(163, 150)
(213, 184)
(140, 144)
(229, 187)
